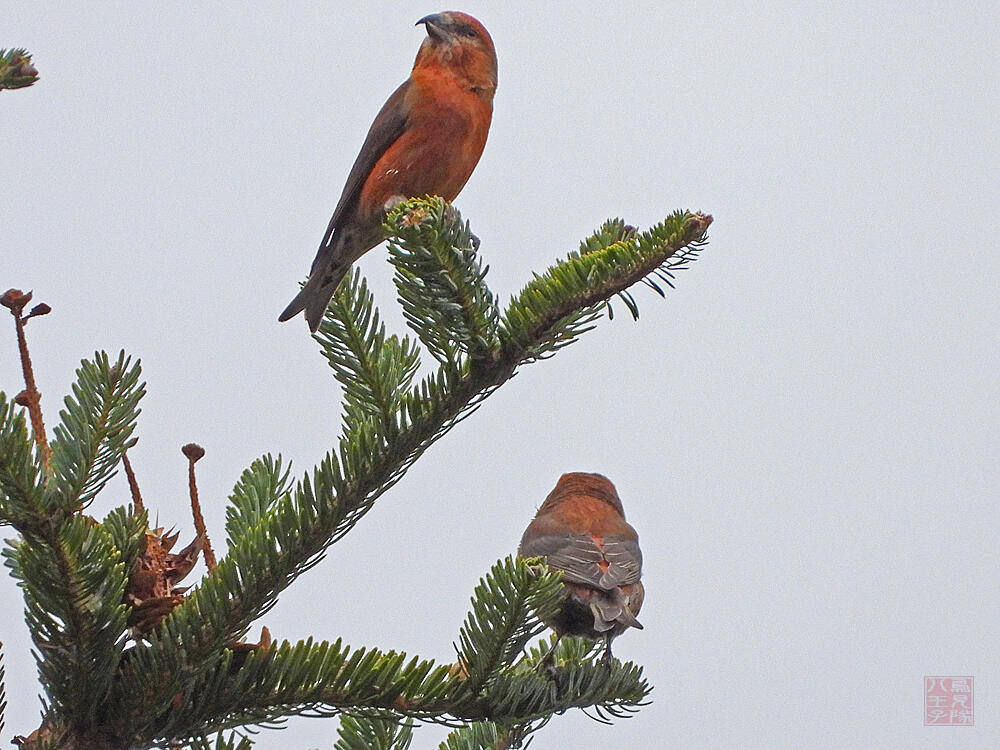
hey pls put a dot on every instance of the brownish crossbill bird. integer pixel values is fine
(426, 140)
(581, 530)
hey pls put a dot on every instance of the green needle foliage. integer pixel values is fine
(510, 602)
(222, 742)
(21, 492)
(260, 486)
(97, 423)
(16, 70)
(73, 585)
(191, 677)
(480, 735)
(374, 370)
(360, 733)
(441, 283)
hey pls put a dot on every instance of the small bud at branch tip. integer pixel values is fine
(15, 300)
(193, 452)
(37, 310)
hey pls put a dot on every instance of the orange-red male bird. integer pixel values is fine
(581, 530)
(426, 140)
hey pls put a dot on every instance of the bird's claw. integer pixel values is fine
(547, 665)
(606, 657)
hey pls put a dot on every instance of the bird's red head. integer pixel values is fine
(458, 41)
(578, 483)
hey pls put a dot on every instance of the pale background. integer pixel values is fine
(805, 433)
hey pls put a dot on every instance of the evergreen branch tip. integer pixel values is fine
(16, 69)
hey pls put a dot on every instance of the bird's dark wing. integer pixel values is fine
(389, 124)
(624, 561)
(576, 555)
(579, 558)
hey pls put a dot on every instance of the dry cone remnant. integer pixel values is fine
(152, 588)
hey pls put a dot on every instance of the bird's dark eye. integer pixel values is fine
(466, 31)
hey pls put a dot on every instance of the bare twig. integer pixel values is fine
(15, 301)
(193, 453)
(3, 697)
(133, 485)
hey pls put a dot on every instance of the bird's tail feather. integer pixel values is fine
(612, 608)
(314, 297)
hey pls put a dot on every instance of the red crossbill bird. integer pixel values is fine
(426, 140)
(581, 531)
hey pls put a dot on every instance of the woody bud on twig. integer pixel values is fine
(15, 300)
(194, 453)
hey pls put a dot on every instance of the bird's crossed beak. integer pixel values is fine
(435, 24)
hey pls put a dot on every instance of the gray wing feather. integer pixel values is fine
(625, 562)
(579, 558)
(387, 127)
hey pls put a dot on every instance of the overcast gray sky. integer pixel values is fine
(805, 433)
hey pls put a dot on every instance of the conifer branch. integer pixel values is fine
(74, 583)
(441, 281)
(374, 370)
(21, 489)
(557, 306)
(493, 681)
(72, 579)
(258, 489)
(95, 430)
(16, 70)
(293, 535)
(306, 678)
(186, 677)
(364, 733)
(483, 735)
(127, 530)
(233, 741)
(507, 608)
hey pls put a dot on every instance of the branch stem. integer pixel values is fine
(133, 485)
(30, 397)
(193, 453)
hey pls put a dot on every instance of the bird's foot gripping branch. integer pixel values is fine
(181, 677)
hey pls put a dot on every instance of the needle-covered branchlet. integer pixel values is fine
(16, 69)
(15, 300)
(194, 453)
(177, 680)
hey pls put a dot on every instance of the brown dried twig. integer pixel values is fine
(194, 453)
(133, 485)
(15, 300)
